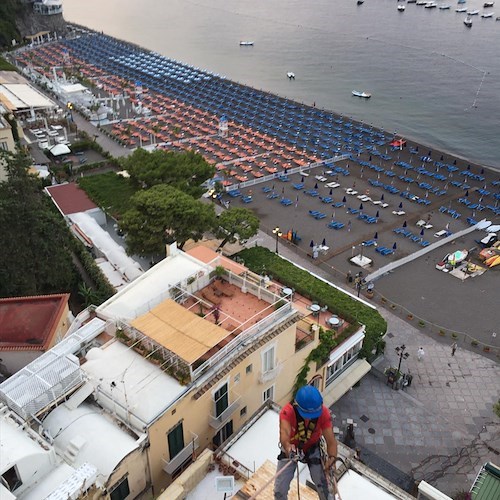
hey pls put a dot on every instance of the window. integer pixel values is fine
(243, 411)
(3, 145)
(11, 477)
(268, 394)
(221, 399)
(248, 369)
(268, 362)
(223, 434)
(121, 490)
(175, 440)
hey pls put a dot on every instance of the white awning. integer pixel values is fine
(346, 380)
(59, 149)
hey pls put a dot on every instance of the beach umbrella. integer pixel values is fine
(331, 192)
(422, 232)
(375, 236)
(370, 159)
(311, 244)
(316, 186)
(324, 242)
(429, 153)
(377, 214)
(401, 205)
(302, 179)
(468, 167)
(442, 158)
(466, 193)
(382, 197)
(404, 224)
(361, 206)
(454, 162)
(394, 246)
(482, 171)
(344, 199)
(416, 149)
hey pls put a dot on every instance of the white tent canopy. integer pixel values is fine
(59, 149)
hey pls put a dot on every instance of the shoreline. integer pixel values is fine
(336, 114)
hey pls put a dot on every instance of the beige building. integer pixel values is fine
(180, 359)
(6, 144)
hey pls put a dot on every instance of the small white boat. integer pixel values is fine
(401, 8)
(468, 21)
(430, 5)
(472, 12)
(444, 7)
(244, 43)
(488, 4)
(421, 2)
(291, 76)
(461, 9)
(487, 15)
(357, 93)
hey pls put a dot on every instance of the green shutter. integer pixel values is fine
(175, 441)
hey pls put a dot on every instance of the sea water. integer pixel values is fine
(431, 78)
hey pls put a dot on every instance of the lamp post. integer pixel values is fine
(278, 233)
(401, 354)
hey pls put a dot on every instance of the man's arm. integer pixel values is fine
(285, 435)
(331, 446)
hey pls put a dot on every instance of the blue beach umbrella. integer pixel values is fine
(311, 244)
(466, 193)
(404, 224)
(324, 242)
(302, 179)
(422, 232)
(468, 167)
(361, 206)
(442, 158)
(401, 205)
(377, 214)
(375, 236)
(382, 197)
(344, 199)
(429, 153)
(394, 246)
(331, 192)
(482, 171)
(316, 186)
(454, 162)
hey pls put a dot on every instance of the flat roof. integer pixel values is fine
(70, 199)
(11, 77)
(152, 287)
(138, 384)
(22, 96)
(179, 330)
(208, 255)
(30, 323)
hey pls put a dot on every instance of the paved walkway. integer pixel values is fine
(442, 428)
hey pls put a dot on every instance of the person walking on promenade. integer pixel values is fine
(453, 348)
(302, 424)
(420, 353)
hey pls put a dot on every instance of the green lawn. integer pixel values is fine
(6, 66)
(109, 191)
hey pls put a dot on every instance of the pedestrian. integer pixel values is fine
(302, 423)
(420, 353)
(453, 348)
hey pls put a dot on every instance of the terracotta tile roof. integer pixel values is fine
(70, 198)
(30, 323)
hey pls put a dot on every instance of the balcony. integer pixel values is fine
(182, 456)
(265, 377)
(218, 422)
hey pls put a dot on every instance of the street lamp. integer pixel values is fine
(402, 354)
(278, 233)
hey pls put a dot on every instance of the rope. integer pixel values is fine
(298, 482)
(258, 492)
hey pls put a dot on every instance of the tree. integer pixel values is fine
(162, 215)
(185, 171)
(236, 224)
(35, 241)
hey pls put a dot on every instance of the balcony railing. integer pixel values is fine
(218, 422)
(270, 374)
(182, 456)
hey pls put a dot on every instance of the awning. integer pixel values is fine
(60, 149)
(345, 381)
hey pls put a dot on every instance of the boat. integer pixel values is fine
(461, 1)
(488, 4)
(487, 15)
(401, 8)
(421, 2)
(472, 12)
(495, 262)
(468, 21)
(461, 9)
(456, 257)
(444, 7)
(411, 1)
(360, 2)
(430, 5)
(244, 43)
(291, 76)
(357, 93)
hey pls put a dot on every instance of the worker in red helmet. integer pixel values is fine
(302, 424)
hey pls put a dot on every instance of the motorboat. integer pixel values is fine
(468, 21)
(488, 4)
(456, 257)
(461, 9)
(291, 76)
(244, 43)
(401, 8)
(487, 15)
(411, 1)
(472, 12)
(421, 2)
(357, 93)
(444, 7)
(430, 5)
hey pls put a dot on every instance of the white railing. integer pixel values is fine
(251, 334)
(218, 422)
(182, 456)
(290, 171)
